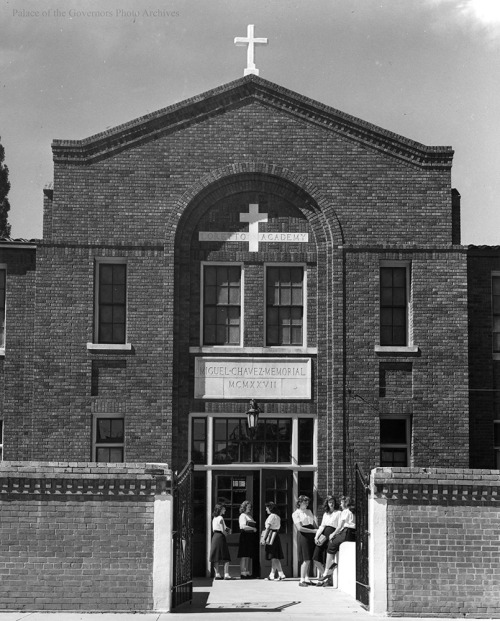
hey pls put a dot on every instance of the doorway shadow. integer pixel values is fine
(200, 604)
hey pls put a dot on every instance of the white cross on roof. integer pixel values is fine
(251, 41)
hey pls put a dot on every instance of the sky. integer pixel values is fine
(428, 70)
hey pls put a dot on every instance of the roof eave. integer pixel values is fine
(236, 93)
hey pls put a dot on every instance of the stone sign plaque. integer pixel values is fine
(252, 378)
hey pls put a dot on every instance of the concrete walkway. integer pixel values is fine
(236, 600)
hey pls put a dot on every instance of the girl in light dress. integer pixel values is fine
(345, 531)
(274, 551)
(328, 525)
(306, 526)
(219, 551)
(248, 539)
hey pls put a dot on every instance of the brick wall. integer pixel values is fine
(442, 541)
(74, 537)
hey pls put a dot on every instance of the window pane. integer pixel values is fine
(103, 429)
(220, 429)
(119, 274)
(118, 294)
(306, 426)
(495, 285)
(106, 294)
(102, 454)
(399, 297)
(393, 458)
(118, 334)
(115, 454)
(393, 431)
(106, 274)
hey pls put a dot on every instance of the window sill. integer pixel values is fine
(109, 347)
(273, 351)
(390, 350)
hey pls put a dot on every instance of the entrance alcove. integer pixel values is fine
(291, 237)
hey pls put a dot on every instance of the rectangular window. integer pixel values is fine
(393, 306)
(199, 440)
(306, 433)
(270, 442)
(221, 305)
(109, 439)
(306, 486)
(495, 312)
(394, 442)
(284, 305)
(3, 279)
(111, 302)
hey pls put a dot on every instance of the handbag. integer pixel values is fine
(321, 540)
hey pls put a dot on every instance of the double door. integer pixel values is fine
(257, 486)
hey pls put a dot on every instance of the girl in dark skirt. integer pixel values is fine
(345, 531)
(306, 526)
(328, 525)
(219, 551)
(248, 544)
(271, 539)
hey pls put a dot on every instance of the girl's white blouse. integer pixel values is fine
(244, 519)
(306, 517)
(218, 524)
(273, 521)
(347, 517)
(331, 519)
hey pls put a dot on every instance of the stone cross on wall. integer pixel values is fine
(253, 217)
(251, 41)
(253, 236)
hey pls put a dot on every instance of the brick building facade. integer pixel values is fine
(250, 243)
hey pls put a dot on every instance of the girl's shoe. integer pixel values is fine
(270, 578)
(281, 576)
(227, 577)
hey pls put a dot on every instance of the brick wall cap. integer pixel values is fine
(90, 470)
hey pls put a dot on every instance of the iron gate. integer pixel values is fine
(182, 587)
(362, 534)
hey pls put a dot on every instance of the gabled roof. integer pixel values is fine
(236, 94)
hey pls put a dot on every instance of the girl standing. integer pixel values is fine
(274, 552)
(328, 525)
(248, 539)
(306, 526)
(219, 552)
